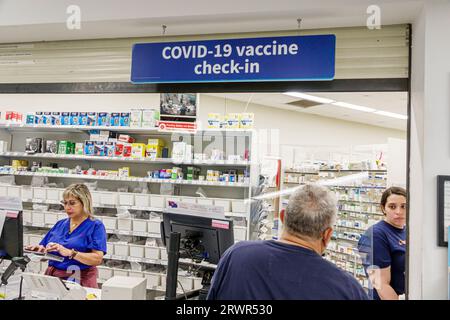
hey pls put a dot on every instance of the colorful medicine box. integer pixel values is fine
(125, 119)
(115, 119)
(65, 118)
(83, 118)
(74, 119)
(89, 148)
(103, 119)
(138, 150)
(56, 118)
(91, 119)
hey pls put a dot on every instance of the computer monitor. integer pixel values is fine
(204, 237)
(11, 238)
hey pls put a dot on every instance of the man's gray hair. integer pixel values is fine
(310, 211)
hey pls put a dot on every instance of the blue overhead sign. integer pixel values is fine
(290, 58)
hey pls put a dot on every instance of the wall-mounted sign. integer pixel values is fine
(291, 58)
(443, 209)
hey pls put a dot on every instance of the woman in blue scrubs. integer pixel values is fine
(80, 239)
(383, 247)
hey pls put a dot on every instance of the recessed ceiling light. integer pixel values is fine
(353, 106)
(392, 115)
(309, 97)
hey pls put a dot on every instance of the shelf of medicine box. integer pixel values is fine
(137, 208)
(351, 228)
(353, 258)
(333, 259)
(130, 179)
(343, 253)
(359, 201)
(13, 154)
(363, 212)
(344, 239)
(155, 130)
(343, 187)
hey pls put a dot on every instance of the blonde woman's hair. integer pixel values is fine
(80, 192)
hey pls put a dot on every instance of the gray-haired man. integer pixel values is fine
(293, 267)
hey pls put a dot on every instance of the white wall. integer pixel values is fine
(300, 129)
(430, 148)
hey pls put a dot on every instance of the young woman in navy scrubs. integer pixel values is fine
(80, 239)
(383, 247)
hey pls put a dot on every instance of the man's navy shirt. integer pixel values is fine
(271, 270)
(384, 245)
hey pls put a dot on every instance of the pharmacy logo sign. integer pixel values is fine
(290, 58)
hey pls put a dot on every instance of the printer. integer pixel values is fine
(124, 288)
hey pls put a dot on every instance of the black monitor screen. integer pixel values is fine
(11, 238)
(208, 238)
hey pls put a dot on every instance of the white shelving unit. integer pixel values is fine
(231, 195)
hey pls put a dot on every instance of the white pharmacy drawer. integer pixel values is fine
(239, 206)
(34, 267)
(14, 191)
(26, 239)
(110, 222)
(189, 200)
(38, 217)
(163, 281)
(197, 283)
(39, 193)
(104, 273)
(44, 266)
(121, 249)
(154, 226)
(110, 248)
(223, 203)
(173, 199)
(157, 201)
(126, 199)
(124, 224)
(3, 191)
(142, 200)
(206, 202)
(186, 282)
(239, 234)
(27, 216)
(53, 194)
(95, 198)
(120, 273)
(136, 274)
(136, 251)
(50, 218)
(34, 239)
(27, 193)
(152, 253)
(163, 254)
(153, 279)
(108, 198)
(140, 225)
